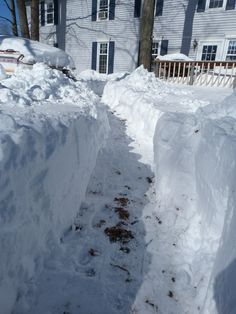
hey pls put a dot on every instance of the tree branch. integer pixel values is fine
(6, 19)
(7, 4)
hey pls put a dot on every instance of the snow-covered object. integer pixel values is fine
(141, 99)
(195, 167)
(2, 73)
(97, 81)
(34, 51)
(174, 57)
(51, 130)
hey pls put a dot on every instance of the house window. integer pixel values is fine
(103, 58)
(231, 52)
(103, 9)
(49, 12)
(209, 52)
(155, 52)
(216, 4)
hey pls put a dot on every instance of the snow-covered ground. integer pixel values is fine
(154, 232)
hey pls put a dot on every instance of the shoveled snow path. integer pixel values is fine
(87, 273)
(152, 273)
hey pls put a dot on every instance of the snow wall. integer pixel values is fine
(194, 162)
(196, 170)
(51, 130)
(141, 99)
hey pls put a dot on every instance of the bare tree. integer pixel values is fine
(146, 31)
(12, 9)
(23, 19)
(34, 5)
(13, 16)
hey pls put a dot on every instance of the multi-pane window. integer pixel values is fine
(209, 52)
(216, 4)
(103, 9)
(103, 57)
(49, 12)
(155, 49)
(231, 52)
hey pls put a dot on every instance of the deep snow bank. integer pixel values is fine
(51, 130)
(141, 99)
(195, 167)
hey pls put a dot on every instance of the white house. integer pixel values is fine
(104, 34)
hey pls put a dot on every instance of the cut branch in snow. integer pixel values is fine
(120, 267)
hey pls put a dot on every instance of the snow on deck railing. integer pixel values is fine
(201, 73)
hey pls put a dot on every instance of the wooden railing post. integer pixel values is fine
(191, 81)
(205, 73)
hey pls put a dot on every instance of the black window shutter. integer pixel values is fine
(112, 9)
(137, 8)
(55, 12)
(159, 7)
(230, 5)
(164, 47)
(42, 13)
(94, 56)
(111, 57)
(94, 10)
(201, 5)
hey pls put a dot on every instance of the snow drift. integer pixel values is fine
(51, 130)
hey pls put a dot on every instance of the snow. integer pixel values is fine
(162, 175)
(34, 51)
(97, 81)
(51, 131)
(142, 99)
(194, 158)
(174, 57)
(2, 73)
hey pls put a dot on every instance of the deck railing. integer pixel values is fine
(202, 73)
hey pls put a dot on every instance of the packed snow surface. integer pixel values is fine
(34, 51)
(51, 130)
(155, 232)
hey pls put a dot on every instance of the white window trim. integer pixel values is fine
(98, 54)
(226, 45)
(45, 12)
(214, 41)
(215, 9)
(98, 10)
(159, 45)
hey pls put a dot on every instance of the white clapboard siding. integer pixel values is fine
(76, 31)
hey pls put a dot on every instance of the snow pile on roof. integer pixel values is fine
(51, 130)
(34, 51)
(174, 57)
(141, 99)
(97, 81)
